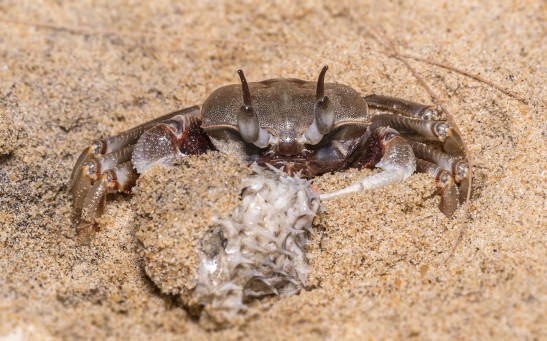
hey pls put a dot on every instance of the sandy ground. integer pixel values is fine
(381, 264)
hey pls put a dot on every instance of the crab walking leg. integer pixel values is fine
(91, 170)
(457, 166)
(454, 164)
(108, 145)
(398, 163)
(114, 163)
(401, 106)
(445, 182)
(430, 130)
(119, 179)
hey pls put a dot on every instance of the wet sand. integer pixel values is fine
(381, 262)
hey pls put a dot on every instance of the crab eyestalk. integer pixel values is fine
(323, 113)
(247, 121)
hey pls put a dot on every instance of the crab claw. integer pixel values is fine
(157, 145)
(398, 163)
(96, 148)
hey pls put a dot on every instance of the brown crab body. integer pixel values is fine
(285, 109)
(298, 126)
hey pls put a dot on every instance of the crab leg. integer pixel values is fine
(118, 179)
(454, 164)
(108, 145)
(457, 166)
(445, 183)
(398, 163)
(91, 170)
(452, 142)
(428, 130)
(419, 125)
(113, 164)
(401, 106)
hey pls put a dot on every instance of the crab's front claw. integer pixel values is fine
(397, 162)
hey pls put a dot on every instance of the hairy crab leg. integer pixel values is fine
(398, 163)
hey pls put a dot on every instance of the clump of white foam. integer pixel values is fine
(258, 249)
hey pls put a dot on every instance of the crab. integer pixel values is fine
(298, 126)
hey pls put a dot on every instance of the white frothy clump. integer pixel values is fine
(258, 249)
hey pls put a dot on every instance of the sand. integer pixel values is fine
(381, 262)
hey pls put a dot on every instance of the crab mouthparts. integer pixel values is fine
(294, 164)
(288, 147)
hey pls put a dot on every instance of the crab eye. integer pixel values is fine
(323, 111)
(323, 114)
(247, 121)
